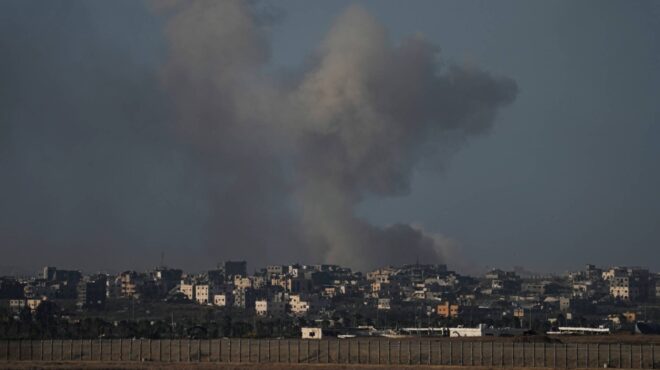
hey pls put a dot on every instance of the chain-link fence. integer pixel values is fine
(337, 351)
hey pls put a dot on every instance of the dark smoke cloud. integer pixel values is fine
(113, 155)
(358, 121)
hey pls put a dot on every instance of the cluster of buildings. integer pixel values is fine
(416, 295)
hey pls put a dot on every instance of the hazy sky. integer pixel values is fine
(97, 170)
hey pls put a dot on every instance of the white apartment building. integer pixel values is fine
(298, 306)
(261, 307)
(203, 293)
(222, 300)
(188, 290)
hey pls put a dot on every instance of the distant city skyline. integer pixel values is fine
(361, 133)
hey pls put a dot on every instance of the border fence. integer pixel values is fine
(337, 351)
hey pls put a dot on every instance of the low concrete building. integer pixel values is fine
(384, 304)
(447, 310)
(311, 333)
(222, 300)
(261, 307)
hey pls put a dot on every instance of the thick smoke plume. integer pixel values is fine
(129, 129)
(353, 124)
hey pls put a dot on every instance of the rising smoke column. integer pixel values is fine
(356, 124)
(371, 109)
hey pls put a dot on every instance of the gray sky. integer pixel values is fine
(96, 173)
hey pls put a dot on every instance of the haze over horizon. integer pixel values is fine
(361, 133)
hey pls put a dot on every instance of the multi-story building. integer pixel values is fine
(188, 289)
(447, 310)
(130, 284)
(203, 293)
(384, 304)
(242, 282)
(234, 268)
(261, 307)
(298, 306)
(92, 292)
(10, 288)
(222, 300)
(243, 298)
(632, 284)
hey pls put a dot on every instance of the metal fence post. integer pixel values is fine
(544, 355)
(229, 349)
(399, 358)
(630, 356)
(288, 350)
(609, 354)
(199, 350)
(462, 362)
(298, 351)
(378, 361)
(471, 353)
(492, 353)
(587, 360)
(389, 352)
(554, 355)
(249, 344)
(409, 352)
(641, 356)
(140, 351)
(534, 354)
(566, 356)
(513, 354)
(368, 352)
(451, 353)
(189, 350)
(430, 358)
